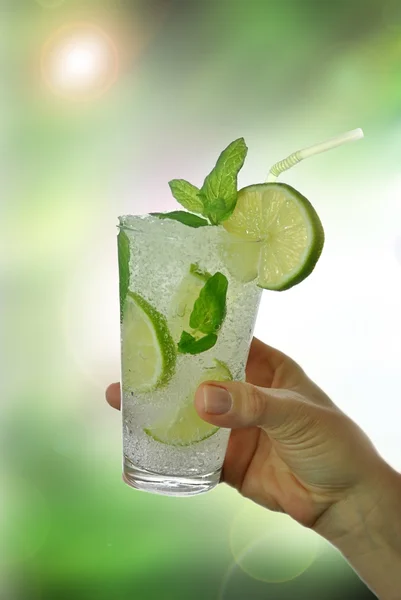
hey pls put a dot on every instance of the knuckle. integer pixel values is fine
(253, 404)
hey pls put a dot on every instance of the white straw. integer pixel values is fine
(296, 157)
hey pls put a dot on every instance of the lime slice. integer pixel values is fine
(148, 350)
(186, 427)
(241, 258)
(288, 230)
(184, 299)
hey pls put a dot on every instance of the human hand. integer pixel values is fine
(291, 449)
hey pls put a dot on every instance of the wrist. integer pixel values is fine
(366, 528)
(366, 507)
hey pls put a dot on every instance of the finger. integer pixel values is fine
(238, 405)
(241, 448)
(113, 396)
(268, 367)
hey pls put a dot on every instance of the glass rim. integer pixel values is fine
(234, 238)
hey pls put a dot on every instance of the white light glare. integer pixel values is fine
(80, 63)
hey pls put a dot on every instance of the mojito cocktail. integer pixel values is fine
(190, 287)
(176, 272)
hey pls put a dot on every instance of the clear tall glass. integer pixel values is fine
(164, 265)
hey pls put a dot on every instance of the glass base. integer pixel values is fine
(168, 485)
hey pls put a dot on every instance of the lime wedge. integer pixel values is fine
(288, 230)
(185, 427)
(183, 301)
(148, 350)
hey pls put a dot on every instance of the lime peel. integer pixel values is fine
(288, 228)
(148, 350)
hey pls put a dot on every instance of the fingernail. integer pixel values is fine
(217, 400)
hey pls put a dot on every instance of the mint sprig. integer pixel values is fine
(187, 195)
(207, 316)
(217, 198)
(220, 188)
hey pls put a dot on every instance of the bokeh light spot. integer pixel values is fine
(80, 62)
(271, 547)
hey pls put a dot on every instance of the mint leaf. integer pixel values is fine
(210, 308)
(123, 267)
(187, 195)
(198, 272)
(219, 190)
(190, 345)
(183, 217)
(207, 315)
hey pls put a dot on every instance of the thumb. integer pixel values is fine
(236, 405)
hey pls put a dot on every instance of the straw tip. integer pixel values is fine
(357, 134)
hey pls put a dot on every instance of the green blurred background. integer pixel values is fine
(176, 81)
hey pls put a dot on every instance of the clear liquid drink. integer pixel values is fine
(164, 266)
